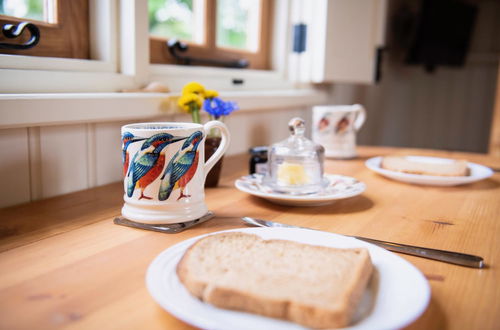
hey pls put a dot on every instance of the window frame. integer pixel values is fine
(260, 60)
(120, 59)
(68, 37)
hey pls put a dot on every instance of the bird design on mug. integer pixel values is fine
(181, 168)
(323, 123)
(342, 125)
(148, 163)
(127, 139)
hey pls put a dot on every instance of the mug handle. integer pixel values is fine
(360, 117)
(224, 144)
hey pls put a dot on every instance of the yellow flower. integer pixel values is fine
(188, 101)
(194, 88)
(211, 93)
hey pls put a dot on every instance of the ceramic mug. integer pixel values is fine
(165, 171)
(335, 127)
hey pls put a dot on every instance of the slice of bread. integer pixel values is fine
(315, 286)
(403, 164)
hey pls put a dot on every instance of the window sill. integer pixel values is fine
(29, 110)
(175, 76)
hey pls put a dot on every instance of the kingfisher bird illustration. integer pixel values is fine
(148, 163)
(127, 139)
(181, 169)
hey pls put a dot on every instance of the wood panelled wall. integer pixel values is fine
(494, 148)
(450, 109)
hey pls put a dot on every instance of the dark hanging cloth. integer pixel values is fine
(443, 34)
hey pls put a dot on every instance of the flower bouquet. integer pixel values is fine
(194, 98)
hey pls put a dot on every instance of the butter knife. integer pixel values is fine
(457, 258)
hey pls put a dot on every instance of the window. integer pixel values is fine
(224, 30)
(120, 58)
(63, 24)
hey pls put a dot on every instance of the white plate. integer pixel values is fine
(338, 187)
(397, 294)
(477, 172)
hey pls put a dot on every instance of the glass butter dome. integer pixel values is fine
(296, 164)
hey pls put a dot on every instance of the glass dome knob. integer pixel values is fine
(297, 126)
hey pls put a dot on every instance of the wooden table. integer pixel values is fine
(63, 263)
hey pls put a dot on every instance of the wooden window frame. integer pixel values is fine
(67, 38)
(260, 60)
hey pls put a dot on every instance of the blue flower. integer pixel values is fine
(217, 108)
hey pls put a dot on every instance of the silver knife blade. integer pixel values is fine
(457, 258)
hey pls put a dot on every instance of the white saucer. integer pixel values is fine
(338, 187)
(477, 172)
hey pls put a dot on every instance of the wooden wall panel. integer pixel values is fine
(481, 94)
(450, 109)
(262, 128)
(14, 167)
(35, 161)
(494, 143)
(457, 91)
(108, 153)
(64, 165)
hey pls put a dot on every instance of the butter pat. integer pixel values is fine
(292, 174)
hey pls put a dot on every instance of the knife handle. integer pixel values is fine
(441, 255)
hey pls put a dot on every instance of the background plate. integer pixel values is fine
(477, 172)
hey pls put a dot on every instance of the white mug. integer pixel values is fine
(335, 127)
(165, 170)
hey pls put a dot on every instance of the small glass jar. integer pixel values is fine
(296, 164)
(258, 160)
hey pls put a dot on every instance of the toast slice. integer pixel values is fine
(315, 286)
(403, 164)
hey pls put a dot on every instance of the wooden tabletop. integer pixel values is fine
(63, 263)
